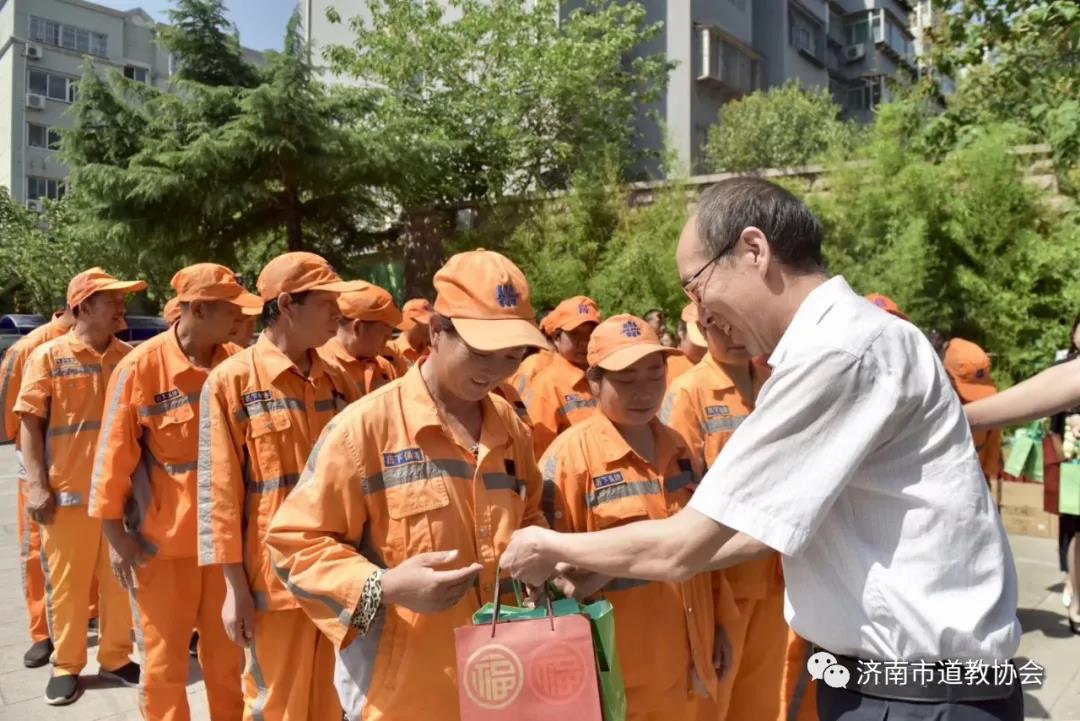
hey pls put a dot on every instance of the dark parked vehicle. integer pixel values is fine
(142, 327)
(14, 326)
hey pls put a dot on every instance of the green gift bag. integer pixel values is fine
(1026, 453)
(1069, 493)
(602, 619)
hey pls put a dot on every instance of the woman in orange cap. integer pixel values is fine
(623, 464)
(392, 537)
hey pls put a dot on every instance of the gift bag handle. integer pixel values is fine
(497, 602)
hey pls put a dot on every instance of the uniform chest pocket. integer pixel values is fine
(268, 437)
(414, 511)
(173, 429)
(625, 502)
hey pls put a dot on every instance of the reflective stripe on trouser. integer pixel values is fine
(290, 671)
(172, 598)
(33, 578)
(74, 554)
(754, 686)
(800, 691)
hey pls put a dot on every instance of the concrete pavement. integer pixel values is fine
(1046, 639)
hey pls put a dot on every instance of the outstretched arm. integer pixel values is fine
(1054, 390)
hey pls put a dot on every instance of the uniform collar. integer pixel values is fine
(77, 346)
(338, 352)
(421, 412)
(568, 370)
(616, 449)
(724, 381)
(812, 309)
(178, 362)
(277, 363)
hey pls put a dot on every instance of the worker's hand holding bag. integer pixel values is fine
(533, 664)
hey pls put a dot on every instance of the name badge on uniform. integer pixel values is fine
(66, 361)
(400, 458)
(166, 396)
(250, 399)
(608, 480)
(713, 411)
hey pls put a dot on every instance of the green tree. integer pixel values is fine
(1018, 62)
(197, 174)
(964, 245)
(505, 97)
(206, 45)
(784, 126)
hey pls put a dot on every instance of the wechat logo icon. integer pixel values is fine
(822, 666)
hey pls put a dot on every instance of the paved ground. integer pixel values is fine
(1046, 639)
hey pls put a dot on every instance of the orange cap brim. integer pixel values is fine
(410, 322)
(693, 332)
(490, 335)
(628, 355)
(338, 286)
(971, 392)
(250, 304)
(576, 322)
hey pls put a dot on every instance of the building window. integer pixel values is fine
(38, 188)
(68, 36)
(868, 94)
(805, 34)
(42, 136)
(139, 75)
(53, 86)
(724, 61)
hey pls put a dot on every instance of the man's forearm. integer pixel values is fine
(235, 577)
(672, 549)
(1052, 391)
(739, 549)
(32, 446)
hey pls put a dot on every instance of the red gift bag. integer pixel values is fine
(528, 670)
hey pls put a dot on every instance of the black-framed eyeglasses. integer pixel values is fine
(692, 295)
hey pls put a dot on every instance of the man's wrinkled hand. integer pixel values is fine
(417, 585)
(577, 583)
(527, 559)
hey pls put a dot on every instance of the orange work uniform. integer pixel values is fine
(64, 382)
(258, 421)
(406, 355)
(558, 397)
(988, 445)
(677, 365)
(510, 394)
(145, 473)
(388, 482)
(11, 375)
(528, 370)
(706, 407)
(665, 632)
(369, 373)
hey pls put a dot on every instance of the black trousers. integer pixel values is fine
(838, 704)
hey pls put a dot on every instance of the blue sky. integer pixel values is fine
(261, 22)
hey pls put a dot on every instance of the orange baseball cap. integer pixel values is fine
(171, 311)
(571, 313)
(370, 303)
(887, 304)
(691, 317)
(299, 273)
(487, 297)
(621, 341)
(415, 312)
(969, 367)
(210, 281)
(96, 280)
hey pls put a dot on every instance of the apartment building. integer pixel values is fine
(43, 46)
(725, 49)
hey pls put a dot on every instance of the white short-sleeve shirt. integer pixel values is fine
(858, 466)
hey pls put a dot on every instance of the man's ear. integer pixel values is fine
(756, 245)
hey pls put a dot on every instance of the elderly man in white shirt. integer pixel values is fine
(857, 465)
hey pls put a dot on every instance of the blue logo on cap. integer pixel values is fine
(630, 329)
(583, 309)
(506, 296)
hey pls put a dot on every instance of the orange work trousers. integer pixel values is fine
(74, 553)
(694, 707)
(290, 671)
(753, 686)
(173, 597)
(33, 578)
(800, 691)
